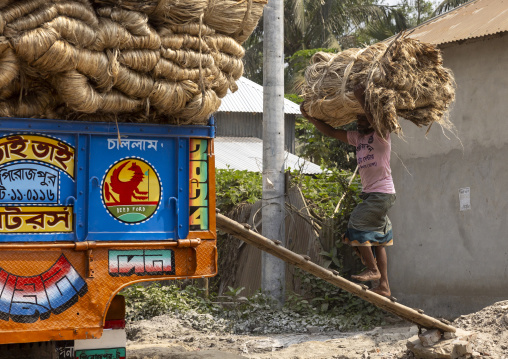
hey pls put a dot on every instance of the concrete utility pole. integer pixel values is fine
(273, 272)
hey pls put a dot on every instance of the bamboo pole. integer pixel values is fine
(303, 262)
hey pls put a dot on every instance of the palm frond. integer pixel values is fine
(299, 11)
(448, 5)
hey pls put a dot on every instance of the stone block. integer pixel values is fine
(436, 351)
(430, 337)
(461, 348)
(412, 342)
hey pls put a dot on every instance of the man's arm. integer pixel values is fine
(324, 128)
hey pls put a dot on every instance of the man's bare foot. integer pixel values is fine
(382, 291)
(367, 275)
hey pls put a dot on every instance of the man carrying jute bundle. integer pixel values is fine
(369, 228)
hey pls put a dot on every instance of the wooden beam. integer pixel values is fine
(245, 234)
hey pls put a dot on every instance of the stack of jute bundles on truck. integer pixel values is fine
(166, 61)
(403, 78)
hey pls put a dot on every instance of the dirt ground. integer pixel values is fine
(165, 337)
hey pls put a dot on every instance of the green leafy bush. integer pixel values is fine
(234, 187)
(323, 191)
(145, 302)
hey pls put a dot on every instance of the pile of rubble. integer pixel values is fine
(482, 334)
(433, 344)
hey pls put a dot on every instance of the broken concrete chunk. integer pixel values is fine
(412, 342)
(461, 348)
(435, 352)
(430, 337)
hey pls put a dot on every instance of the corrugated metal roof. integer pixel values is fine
(249, 98)
(474, 19)
(246, 153)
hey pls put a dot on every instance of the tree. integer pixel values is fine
(421, 10)
(405, 15)
(253, 59)
(448, 5)
(391, 23)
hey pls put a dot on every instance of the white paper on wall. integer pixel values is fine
(465, 198)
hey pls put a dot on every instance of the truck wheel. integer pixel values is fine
(40, 350)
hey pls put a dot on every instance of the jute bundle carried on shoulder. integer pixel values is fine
(166, 61)
(403, 78)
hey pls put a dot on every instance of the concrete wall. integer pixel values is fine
(446, 261)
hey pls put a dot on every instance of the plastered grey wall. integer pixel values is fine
(447, 261)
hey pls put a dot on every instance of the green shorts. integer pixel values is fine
(369, 224)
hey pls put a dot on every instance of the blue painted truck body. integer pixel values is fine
(29, 177)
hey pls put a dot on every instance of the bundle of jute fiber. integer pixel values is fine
(81, 60)
(403, 78)
(236, 18)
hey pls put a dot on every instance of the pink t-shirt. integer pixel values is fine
(373, 157)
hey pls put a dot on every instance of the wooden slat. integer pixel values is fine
(236, 229)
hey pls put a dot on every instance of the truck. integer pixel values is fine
(87, 209)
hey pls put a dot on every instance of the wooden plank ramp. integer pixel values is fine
(243, 232)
